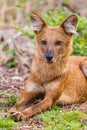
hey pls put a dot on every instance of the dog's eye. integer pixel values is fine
(43, 42)
(58, 43)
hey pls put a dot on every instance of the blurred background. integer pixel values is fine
(16, 38)
(17, 11)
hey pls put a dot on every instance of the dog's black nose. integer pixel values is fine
(49, 55)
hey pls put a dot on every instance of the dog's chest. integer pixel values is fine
(49, 73)
(45, 72)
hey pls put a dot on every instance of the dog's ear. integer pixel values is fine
(69, 24)
(37, 22)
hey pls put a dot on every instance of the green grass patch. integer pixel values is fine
(55, 119)
(6, 123)
(11, 101)
(11, 63)
(1, 95)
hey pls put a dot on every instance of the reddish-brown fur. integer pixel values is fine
(64, 80)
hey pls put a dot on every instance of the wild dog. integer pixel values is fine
(54, 74)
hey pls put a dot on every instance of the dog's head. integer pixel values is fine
(53, 43)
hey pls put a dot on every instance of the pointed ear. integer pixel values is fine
(69, 24)
(37, 22)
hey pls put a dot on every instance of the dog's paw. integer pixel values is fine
(17, 116)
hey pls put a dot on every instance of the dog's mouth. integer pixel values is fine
(49, 62)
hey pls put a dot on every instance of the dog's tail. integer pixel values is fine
(83, 67)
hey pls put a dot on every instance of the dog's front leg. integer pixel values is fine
(52, 93)
(31, 90)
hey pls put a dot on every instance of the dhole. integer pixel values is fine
(54, 74)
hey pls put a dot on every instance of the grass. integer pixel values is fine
(11, 101)
(1, 95)
(55, 119)
(6, 123)
(8, 101)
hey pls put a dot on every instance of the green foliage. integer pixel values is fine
(11, 101)
(25, 32)
(6, 123)
(80, 41)
(54, 18)
(11, 53)
(1, 94)
(11, 63)
(22, 1)
(55, 119)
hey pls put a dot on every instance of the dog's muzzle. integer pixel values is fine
(49, 56)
